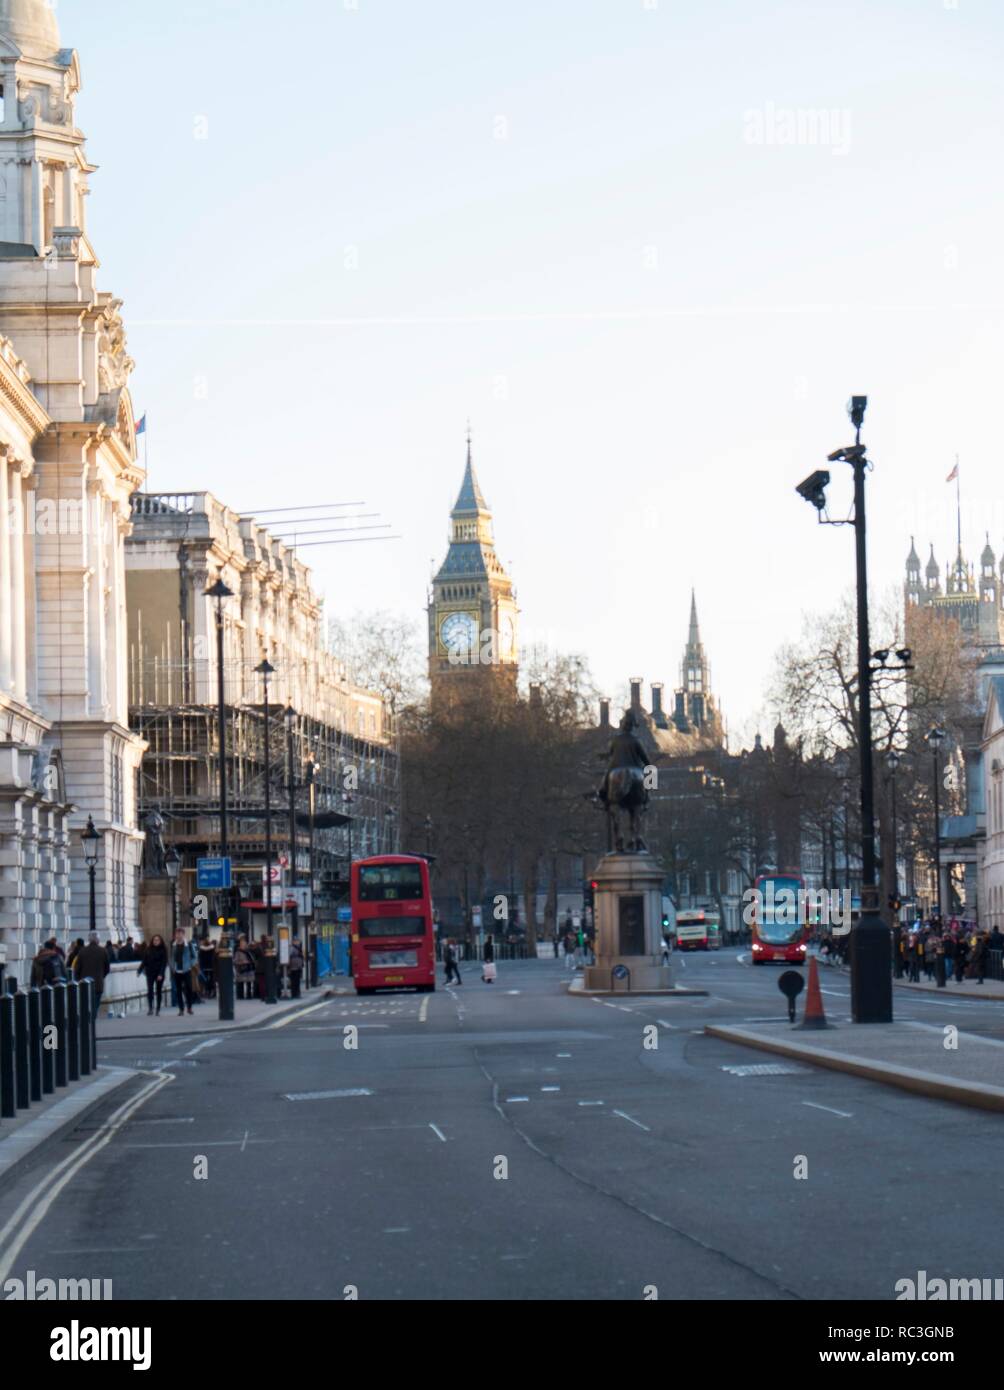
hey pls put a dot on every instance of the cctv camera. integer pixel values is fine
(813, 488)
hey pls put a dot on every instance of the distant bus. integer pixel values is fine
(697, 929)
(780, 931)
(392, 924)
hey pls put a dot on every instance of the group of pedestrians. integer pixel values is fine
(249, 968)
(451, 961)
(961, 950)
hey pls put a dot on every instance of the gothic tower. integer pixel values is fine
(695, 708)
(472, 607)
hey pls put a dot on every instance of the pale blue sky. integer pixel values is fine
(551, 217)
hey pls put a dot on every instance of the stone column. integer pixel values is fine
(17, 595)
(6, 635)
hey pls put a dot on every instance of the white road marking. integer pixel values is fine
(512, 991)
(844, 1114)
(663, 1024)
(328, 1095)
(562, 1054)
(423, 1012)
(179, 1041)
(244, 1141)
(36, 1206)
(624, 1009)
(436, 1130)
(550, 1088)
(513, 1100)
(210, 1042)
(939, 1029)
(592, 1102)
(396, 1230)
(298, 1013)
(632, 1120)
(181, 1120)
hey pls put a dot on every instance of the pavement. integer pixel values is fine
(205, 1017)
(516, 1142)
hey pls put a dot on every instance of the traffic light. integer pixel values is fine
(589, 893)
(895, 902)
(665, 921)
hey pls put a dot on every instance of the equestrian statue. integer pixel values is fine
(624, 786)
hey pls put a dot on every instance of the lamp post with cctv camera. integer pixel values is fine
(871, 942)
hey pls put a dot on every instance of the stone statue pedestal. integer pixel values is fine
(628, 916)
(155, 916)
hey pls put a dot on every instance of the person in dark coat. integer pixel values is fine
(92, 962)
(154, 967)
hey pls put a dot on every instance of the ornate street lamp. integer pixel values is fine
(935, 737)
(172, 865)
(90, 838)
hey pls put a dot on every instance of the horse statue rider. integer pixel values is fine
(624, 786)
(154, 855)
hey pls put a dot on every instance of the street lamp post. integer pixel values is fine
(427, 827)
(219, 592)
(91, 839)
(290, 721)
(935, 738)
(892, 761)
(266, 669)
(871, 941)
(310, 950)
(172, 864)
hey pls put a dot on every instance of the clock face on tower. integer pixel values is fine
(459, 632)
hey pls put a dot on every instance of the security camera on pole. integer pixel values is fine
(871, 941)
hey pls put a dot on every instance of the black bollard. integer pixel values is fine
(10, 984)
(86, 1026)
(59, 1006)
(939, 971)
(34, 1045)
(8, 1108)
(48, 1036)
(73, 1031)
(225, 984)
(270, 994)
(21, 1091)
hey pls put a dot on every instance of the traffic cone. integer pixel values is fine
(814, 1017)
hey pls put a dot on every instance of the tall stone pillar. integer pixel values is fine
(6, 635)
(628, 915)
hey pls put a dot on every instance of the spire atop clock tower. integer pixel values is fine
(472, 608)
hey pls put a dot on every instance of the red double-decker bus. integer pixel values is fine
(779, 926)
(392, 931)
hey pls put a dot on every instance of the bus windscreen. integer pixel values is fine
(389, 882)
(391, 926)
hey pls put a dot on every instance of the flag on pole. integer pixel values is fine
(141, 427)
(953, 475)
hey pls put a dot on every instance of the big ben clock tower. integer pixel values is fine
(472, 608)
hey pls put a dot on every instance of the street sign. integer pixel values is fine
(304, 899)
(284, 860)
(476, 916)
(620, 972)
(214, 873)
(345, 914)
(271, 873)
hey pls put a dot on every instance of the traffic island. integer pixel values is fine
(620, 990)
(942, 1065)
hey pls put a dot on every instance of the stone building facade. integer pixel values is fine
(70, 467)
(180, 545)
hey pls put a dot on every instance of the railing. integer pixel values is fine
(163, 503)
(995, 965)
(47, 1041)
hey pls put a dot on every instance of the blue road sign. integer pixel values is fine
(620, 971)
(214, 873)
(345, 914)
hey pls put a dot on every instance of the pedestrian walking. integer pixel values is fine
(183, 957)
(488, 970)
(154, 967)
(450, 961)
(75, 950)
(961, 956)
(207, 966)
(47, 968)
(295, 967)
(92, 963)
(244, 969)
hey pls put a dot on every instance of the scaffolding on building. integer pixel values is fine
(351, 781)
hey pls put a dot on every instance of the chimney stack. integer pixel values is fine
(636, 692)
(535, 700)
(658, 714)
(604, 714)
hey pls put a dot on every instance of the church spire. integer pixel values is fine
(470, 500)
(694, 636)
